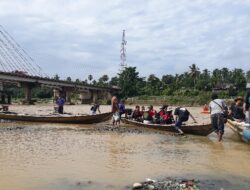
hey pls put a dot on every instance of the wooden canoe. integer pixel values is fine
(74, 119)
(240, 129)
(195, 129)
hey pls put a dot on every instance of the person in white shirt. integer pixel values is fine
(217, 107)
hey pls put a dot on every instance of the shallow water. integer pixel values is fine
(73, 157)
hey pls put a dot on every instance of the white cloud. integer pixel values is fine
(163, 36)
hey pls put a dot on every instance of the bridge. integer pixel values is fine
(18, 68)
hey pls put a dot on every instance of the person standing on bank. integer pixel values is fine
(217, 107)
(60, 102)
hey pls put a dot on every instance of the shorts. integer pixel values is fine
(116, 116)
(217, 121)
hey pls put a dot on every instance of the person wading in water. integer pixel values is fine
(217, 107)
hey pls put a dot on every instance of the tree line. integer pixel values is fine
(193, 82)
(190, 83)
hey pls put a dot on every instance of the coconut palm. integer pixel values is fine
(194, 72)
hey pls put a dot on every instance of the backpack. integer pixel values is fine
(183, 115)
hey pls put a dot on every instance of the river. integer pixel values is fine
(73, 157)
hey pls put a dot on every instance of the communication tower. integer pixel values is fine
(123, 63)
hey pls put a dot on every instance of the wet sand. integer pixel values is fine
(38, 156)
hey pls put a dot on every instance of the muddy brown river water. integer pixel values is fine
(73, 157)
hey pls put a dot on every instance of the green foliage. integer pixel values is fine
(90, 78)
(56, 77)
(103, 80)
(68, 79)
(128, 81)
(42, 93)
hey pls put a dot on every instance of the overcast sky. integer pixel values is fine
(81, 37)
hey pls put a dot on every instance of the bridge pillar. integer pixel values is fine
(3, 98)
(68, 96)
(94, 96)
(108, 95)
(56, 93)
(1, 86)
(85, 96)
(27, 92)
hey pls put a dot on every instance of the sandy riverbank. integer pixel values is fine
(45, 109)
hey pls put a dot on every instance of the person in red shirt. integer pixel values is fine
(163, 110)
(168, 117)
(151, 111)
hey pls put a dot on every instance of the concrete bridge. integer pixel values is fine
(87, 93)
(17, 67)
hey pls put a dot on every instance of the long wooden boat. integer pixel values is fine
(58, 118)
(241, 129)
(195, 129)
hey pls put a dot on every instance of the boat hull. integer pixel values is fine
(195, 129)
(82, 119)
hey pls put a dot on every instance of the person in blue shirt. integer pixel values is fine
(122, 109)
(60, 102)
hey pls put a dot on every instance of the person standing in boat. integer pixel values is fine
(181, 114)
(60, 103)
(217, 107)
(115, 110)
(95, 107)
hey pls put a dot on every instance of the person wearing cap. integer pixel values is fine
(236, 110)
(217, 107)
(181, 114)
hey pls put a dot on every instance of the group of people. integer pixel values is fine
(164, 116)
(150, 115)
(218, 110)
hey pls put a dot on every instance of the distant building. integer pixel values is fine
(223, 87)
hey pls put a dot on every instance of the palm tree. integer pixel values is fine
(68, 79)
(90, 77)
(56, 77)
(194, 72)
